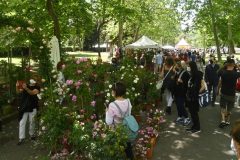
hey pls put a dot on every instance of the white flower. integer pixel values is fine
(55, 76)
(121, 77)
(45, 88)
(78, 116)
(137, 78)
(57, 100)
(108, 94)
(41, 89)
(141, 67)
(136, 94)
(135, 81)
(127, 93)
(150, 83)
(123, 67)
(43, 128)
(110, 86)
(107, 101)
(43, 80)
(41, 47)
(53, 71)
(133, 88)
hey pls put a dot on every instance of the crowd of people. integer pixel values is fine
(185, 75)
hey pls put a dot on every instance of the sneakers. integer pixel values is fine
(190, 130)
(179, 120)
(186, 121)
(195, 131)
(33, 138)
(20, 142)
(168, 110)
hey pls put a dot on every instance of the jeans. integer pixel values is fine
(213, 88)
(22, 123)
(180, 102)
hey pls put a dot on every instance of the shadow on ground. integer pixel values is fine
(212, 143)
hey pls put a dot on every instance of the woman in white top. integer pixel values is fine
(113, 115)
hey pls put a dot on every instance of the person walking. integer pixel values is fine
(28, 108)
(168, 83)
(194, 86)
(158, 61)
(212, 78)
(180, 91)
(113, 114)
(227, 84)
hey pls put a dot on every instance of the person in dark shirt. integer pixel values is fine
(211, 78)
(28, 108)
(227, 84)
(180, 90)
(194, 86)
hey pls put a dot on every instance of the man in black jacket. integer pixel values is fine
(28, 108)
(180, 91)
(211, 78)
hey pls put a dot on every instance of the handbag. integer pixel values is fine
(204, 98)
(160, 82)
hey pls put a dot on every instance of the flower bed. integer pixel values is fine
(72, 120)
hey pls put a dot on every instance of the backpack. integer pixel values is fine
(130, 122)
(238, 85)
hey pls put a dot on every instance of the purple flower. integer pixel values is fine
(93, 103)
(74, 98)
(78, 61)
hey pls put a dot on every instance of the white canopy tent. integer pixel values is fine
(168, 47)
(143, 42)
(182, 44)
(55, 51)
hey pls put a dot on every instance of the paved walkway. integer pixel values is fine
(173, 143)
(212, 143)
(30, 150)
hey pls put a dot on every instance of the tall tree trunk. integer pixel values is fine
(53, 15)
(120, 27)
(214, 25)
(136, 33)
(231, 49)
(98, 38)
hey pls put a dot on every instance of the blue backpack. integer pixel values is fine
(130, 122)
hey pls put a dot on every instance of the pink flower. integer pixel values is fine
(82, 111)
(63, 66)
(93, 103)
(74, 98)
(69, 82)
(78, 61)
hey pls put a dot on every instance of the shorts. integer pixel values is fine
(227, 102)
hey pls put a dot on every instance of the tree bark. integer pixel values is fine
(120, 27)
(53, 15)
(231, 49)
(215, 32)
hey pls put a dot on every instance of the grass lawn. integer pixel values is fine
(91, 55)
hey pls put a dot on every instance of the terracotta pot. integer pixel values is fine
(138, 118)
(148, 107)
(149, 153)
(153, 141)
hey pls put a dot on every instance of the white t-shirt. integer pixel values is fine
(113, 114)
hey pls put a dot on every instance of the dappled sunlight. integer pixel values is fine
(179, 144)
(228, 152)
(221, 133)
